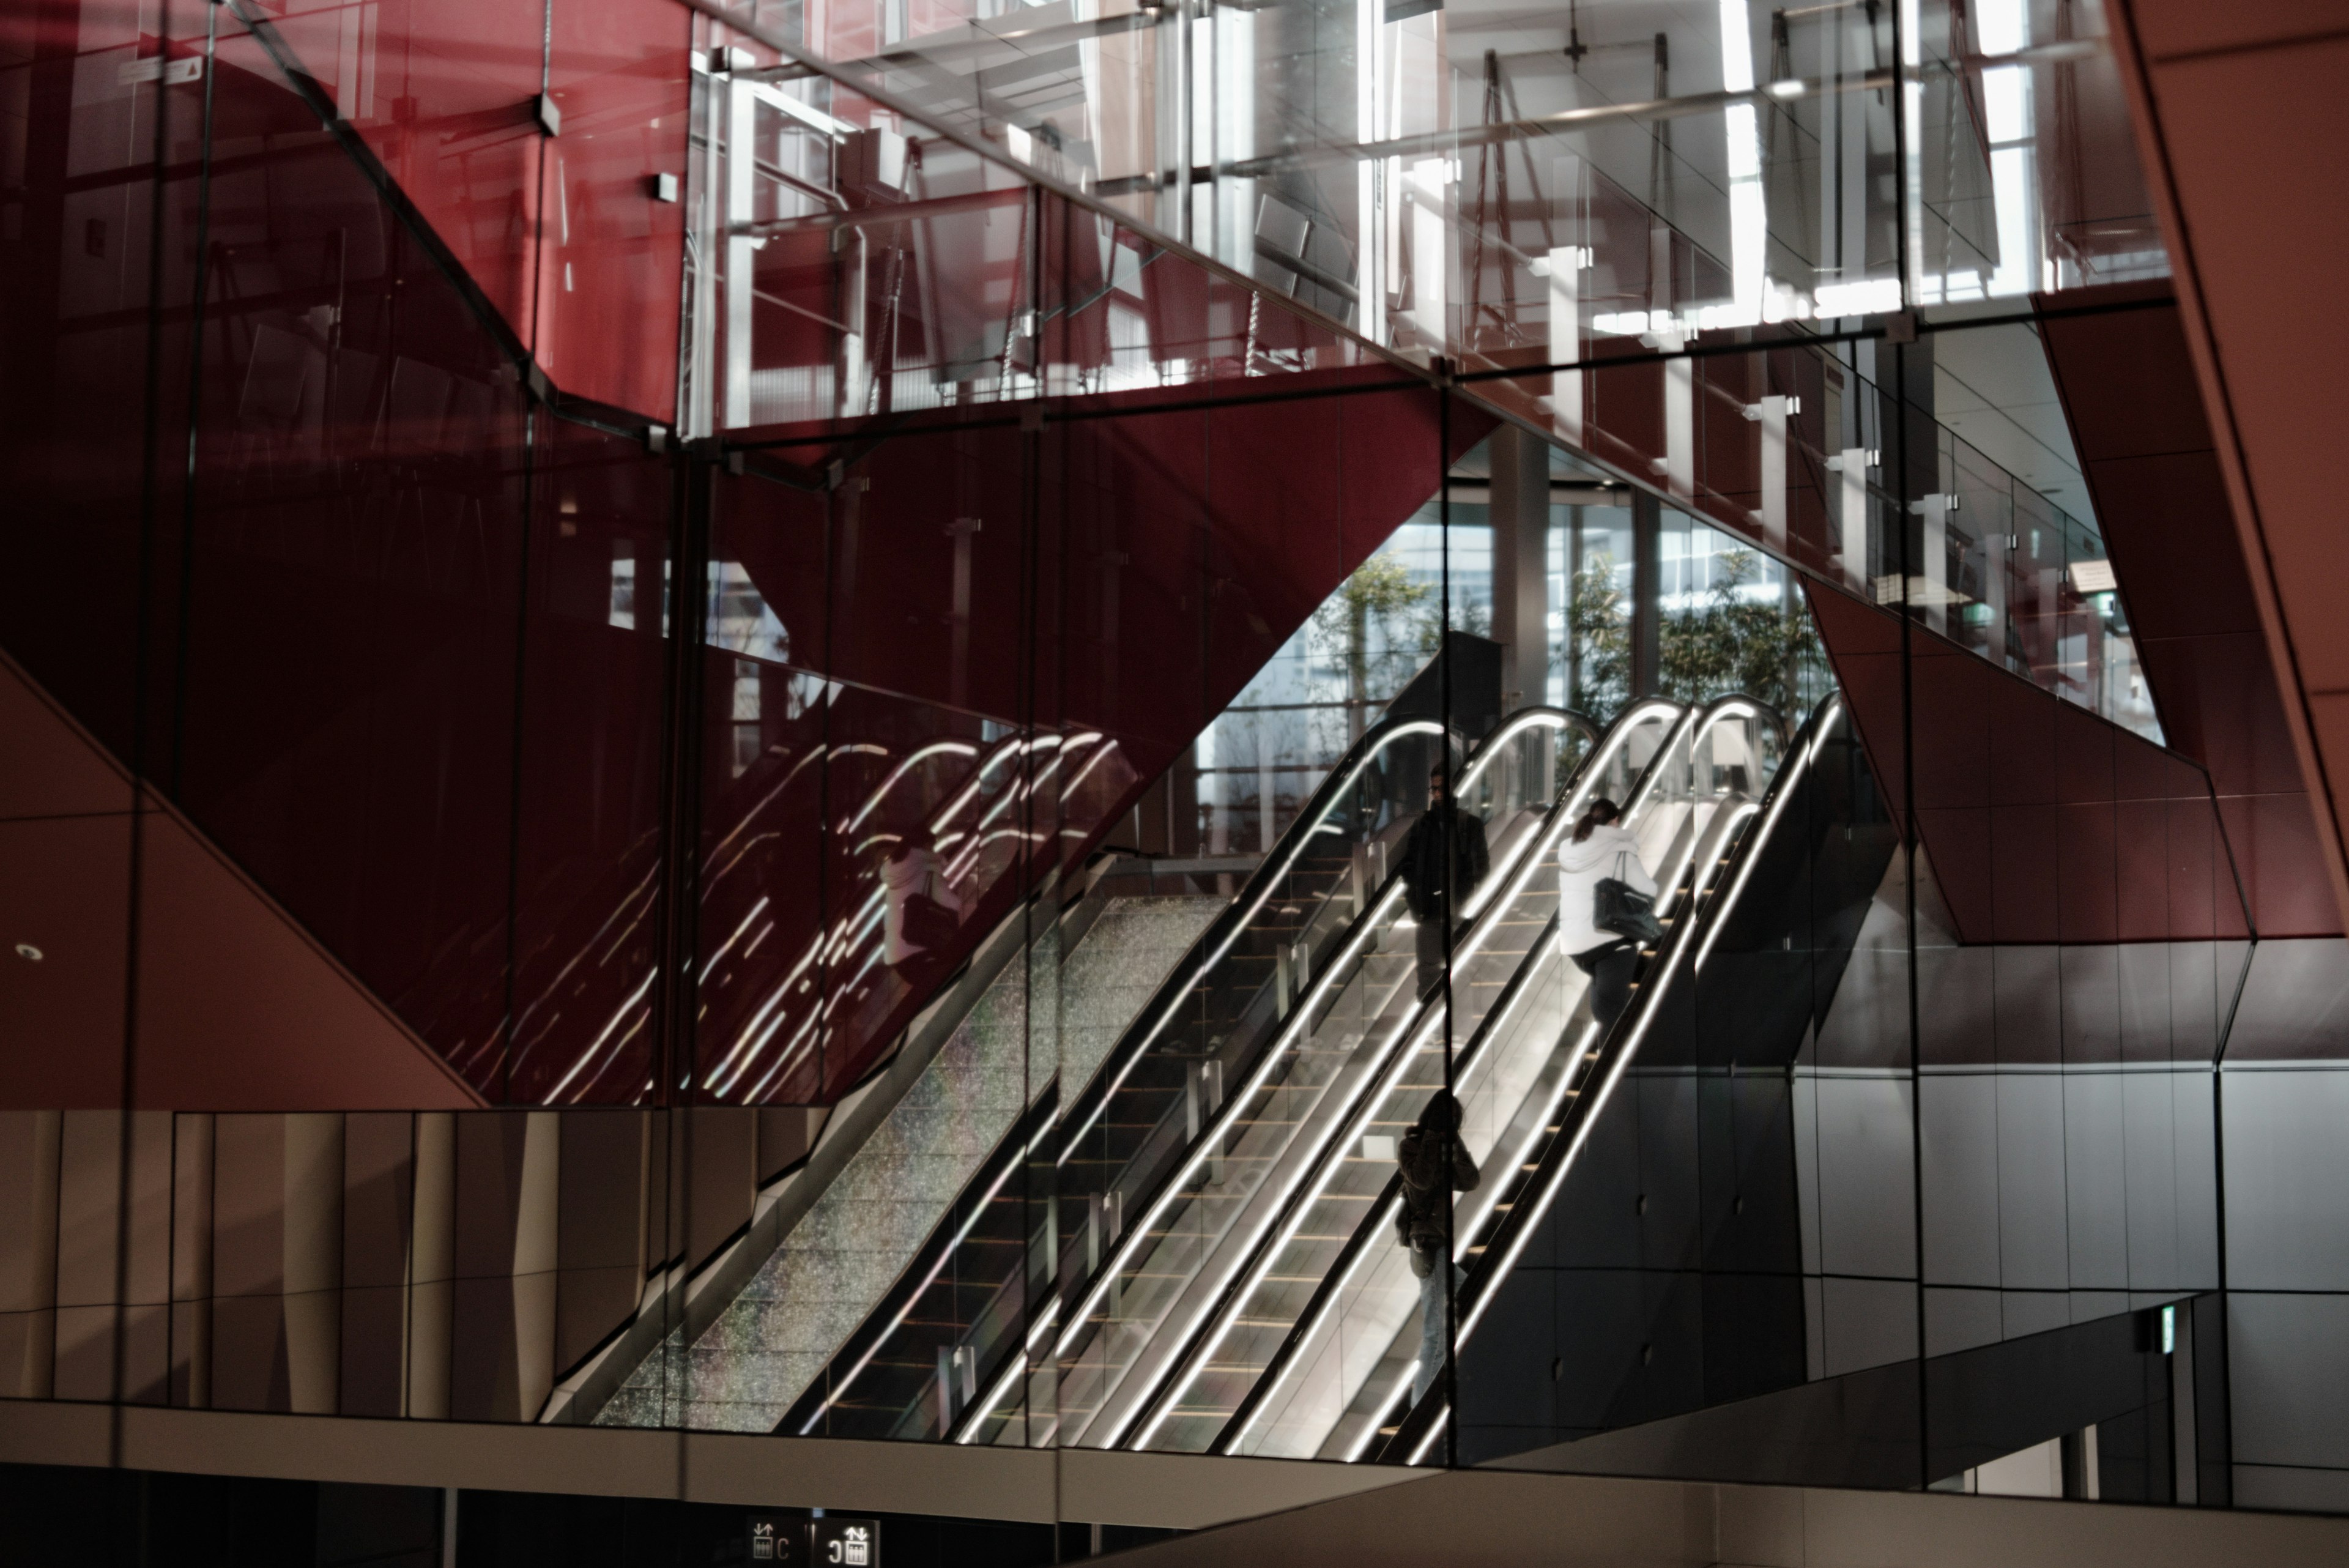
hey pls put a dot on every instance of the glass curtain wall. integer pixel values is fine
(1468, 181)
(697, 741)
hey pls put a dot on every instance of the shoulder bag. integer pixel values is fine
(1618, 907)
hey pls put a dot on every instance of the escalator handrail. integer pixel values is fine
(1403, 1039)
(1220, 937)
(1622, 1044)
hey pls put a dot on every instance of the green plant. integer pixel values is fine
(1734, 641)
(1379, 597)
(1740, 642)
(1599, 622)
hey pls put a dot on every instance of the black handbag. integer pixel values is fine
(927, 923)
(1616, 905)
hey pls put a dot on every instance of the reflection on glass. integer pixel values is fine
(1469, 184)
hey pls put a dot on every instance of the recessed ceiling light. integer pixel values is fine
(28, 952)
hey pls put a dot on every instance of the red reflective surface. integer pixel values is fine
(588, 846)
(2130, 395)
(613, 262)
(2044, 824)
(343, 700)
(89, 113)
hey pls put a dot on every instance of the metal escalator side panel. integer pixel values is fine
(1251, 899)
(1069, 1318)
(893, 1315)
(1499, 1063)
(1658, 809)
(1268, 1004)
(1428, 1016)
(1363, 1254)
(1683, 951)
(1312, 821)
(1214, 1313)
(1077, 1326)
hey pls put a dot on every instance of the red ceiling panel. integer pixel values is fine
(2275, 841)
(2126, 382)
(2202, 899)
(1953, 752)
(2240, 113)
(2086, 865)
(2027, 903)
(2017, 799)
(2191, 26)
(2169, 511)
(240, 1011)
(2120, 372)
(2083, 755)
(2023, 757)
(1958, 844)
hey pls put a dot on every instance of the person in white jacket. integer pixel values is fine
(920, 908)
(1597, 848)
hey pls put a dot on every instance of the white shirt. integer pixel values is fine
(1580, 868)
(903, 874)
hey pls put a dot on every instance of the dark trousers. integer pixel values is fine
(1611, 969)
(1432, 1335)
(1429, 946)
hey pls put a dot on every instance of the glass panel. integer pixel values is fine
(589, 854)
(87, 85)
(1753, 1052)
(1453, 190)
(1220, 1103)
(610, 270)
(459, 670)
(359, 498)
(445, 93)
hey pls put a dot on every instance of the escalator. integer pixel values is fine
(1301, 1351)
(1301, 998)
(1198, 1094)
(710, 1340)
(1049, 994)
(1186, 1244)
(1741, 858)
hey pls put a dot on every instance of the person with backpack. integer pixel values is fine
(1605, 906)
(1435, 1164)
(1443, 858)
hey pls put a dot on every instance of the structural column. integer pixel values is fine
(1647, 594)
(1520, 517)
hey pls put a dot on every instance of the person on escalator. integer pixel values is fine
(1435, 1164)
(919, 908)
(1600, 850)
(1443, 858)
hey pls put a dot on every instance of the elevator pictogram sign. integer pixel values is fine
(788, 1542)
(846, 1542)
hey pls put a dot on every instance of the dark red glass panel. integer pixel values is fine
(345, 703)
(92, 380)
(588, 851)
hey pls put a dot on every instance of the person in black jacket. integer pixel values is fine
(1436, 889)
(1435, 1164)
